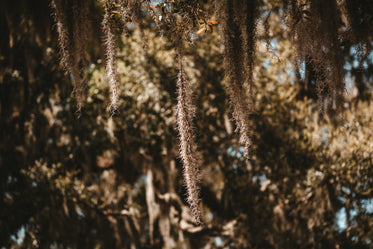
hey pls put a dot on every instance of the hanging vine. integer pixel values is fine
(110, 52)
(72, 28)
(239, 41)
(188, 146)
(314, 29)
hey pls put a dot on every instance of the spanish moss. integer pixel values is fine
(110, 52)
(80, 30)
(72, 23)
(239, 42)
(315, 27)
(188, 146)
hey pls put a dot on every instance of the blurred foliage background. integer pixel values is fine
(116, 182)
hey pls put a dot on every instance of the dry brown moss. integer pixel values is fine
(110, 65)
(72, 27)
(188, 147)
(239, 26)
(314, 29)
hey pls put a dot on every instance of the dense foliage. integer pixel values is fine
(295, 177)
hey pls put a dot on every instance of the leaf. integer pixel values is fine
(212, 22)
(200, 31)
